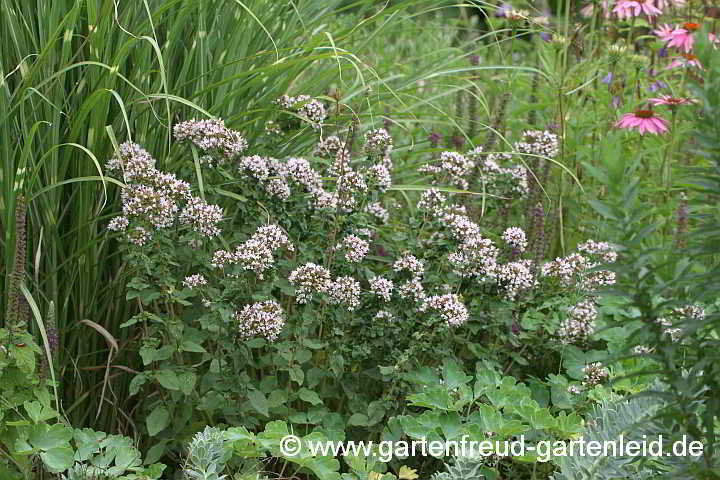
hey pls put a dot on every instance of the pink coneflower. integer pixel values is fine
(664, 32)
(685, 60)
(631, 8)
(682, 38)
(671, 102)
(643, 121)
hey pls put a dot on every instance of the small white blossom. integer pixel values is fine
(382, 287)
(346, 291)
(193, 281)
(449, 307)
(309, 279)
(264, 319)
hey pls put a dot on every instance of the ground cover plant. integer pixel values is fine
(225, 222)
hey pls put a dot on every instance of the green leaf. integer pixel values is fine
(309, 396)
(44, 437)
(137, 382)
(58, 459)
(37, 412)
(454, 375)
(357, 420)
(259, 402)
(168, 379)
(158, 420)
(87, 443)
(190, 346)
(187, 382)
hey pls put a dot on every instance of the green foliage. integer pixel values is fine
(125, 341)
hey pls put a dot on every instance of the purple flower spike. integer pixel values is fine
(434, 138)
(616, 101)
(663, 52)
(547, 37)
(657, 85)
(503, 10)
(607, 79)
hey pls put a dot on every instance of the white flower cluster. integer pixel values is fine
(118, 224)
(255, 166)
(382, 287)
(379, 176)
(211, 136)
(579, 324)
(313, 111)
(202, 217)
(290, 103)
(573, 269)
(595, 374)
(515, 277)
(668, 329)
(309, 279)
(355, 248)
(138, 236)
(567, 268)
(476, 257)
(538, 142)
(133, 163)
(510, 180)
(345, 291)
(413, 289)
(384, 315)
(691, 312)
(255, 254)
(272, 128)
(300, 171)
(262, 319)
(573, 389)
(450, 308)
(378, 142)
(410, 263)
(461, 227)
(452, 168)
(329, 147)
(433, 202)
(332, 148)
(602, 250)
(152, 198)
(641, 350)
(378, 211)
(193, 281)
(515, 238)
(149, 204)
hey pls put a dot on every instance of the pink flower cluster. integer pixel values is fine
(262, 319)
(255, 254)
(211, 136)
(153, 200)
